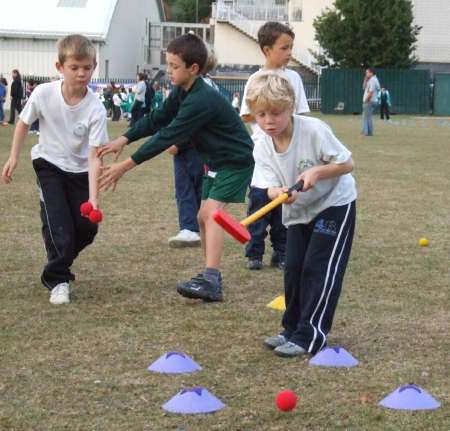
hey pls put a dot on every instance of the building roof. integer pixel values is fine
(55, 18)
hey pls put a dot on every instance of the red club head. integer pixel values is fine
(232, 226)
(95, 216)
(86, 208)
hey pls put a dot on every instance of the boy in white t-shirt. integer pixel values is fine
(320, 220)
(73, 126)
(276, 41)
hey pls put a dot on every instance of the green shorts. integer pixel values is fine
(228, 185)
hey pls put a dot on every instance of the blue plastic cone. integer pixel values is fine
(174, 362)
(193, 401)
(410, 397)
(334, 357)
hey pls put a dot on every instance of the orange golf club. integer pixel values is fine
(238, 229)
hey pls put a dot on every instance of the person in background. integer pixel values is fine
(371, 87)
(158, 97)
(385, 103)
(235, 103)
(117, 101)
(16, 96)
(30, 87)
(3, 91)
(139, 99)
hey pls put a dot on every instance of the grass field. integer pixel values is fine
(83, 366)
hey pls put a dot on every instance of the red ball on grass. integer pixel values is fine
(95, 216)
(286, 400)
(86, 208)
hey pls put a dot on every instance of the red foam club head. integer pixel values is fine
(232, 226)
(95, 216)
(86, 208)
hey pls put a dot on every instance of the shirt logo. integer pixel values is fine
(325, 227)
(305, 164)
(80, 130)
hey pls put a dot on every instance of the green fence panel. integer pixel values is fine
(341, 90)
(441, 100)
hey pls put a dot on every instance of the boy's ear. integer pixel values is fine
(195, 69)
(59, 66)
(266, 50)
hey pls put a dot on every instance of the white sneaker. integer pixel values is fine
(185, 238)
(60, 294)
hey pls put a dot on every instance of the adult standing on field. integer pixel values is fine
(16, 96)
(371, 87)
(139, 99)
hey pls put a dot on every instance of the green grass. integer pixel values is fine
(83, 366)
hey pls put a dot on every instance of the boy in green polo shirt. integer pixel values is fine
(195, 112)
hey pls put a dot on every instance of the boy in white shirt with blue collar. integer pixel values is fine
(73, 126)
(276, 41)
(320, 220)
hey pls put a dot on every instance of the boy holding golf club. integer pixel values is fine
(195, 112)
(320, 219)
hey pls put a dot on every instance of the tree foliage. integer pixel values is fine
(356, 33)
(186, 10)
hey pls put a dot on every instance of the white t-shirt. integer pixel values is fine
(313, 143)
(117, 99)
(301, 103)
(372, 85)
(66, 132)
(141, 88)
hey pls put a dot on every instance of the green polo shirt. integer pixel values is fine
(202, 116)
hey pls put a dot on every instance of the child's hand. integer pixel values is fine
(274, 192)
(173, 150)
(8, 169)
(309, 178)
(115, 147)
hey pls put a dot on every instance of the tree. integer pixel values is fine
(190, 10)
(358, 33)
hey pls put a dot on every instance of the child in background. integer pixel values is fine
(157, 97)
(276, 41)
(3, 92)
(73, 126)
(189, 170)
(194, 112)
(117, 101)
(30, 87)
(235, 103)
(320, 219)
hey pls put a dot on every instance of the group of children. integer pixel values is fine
(285, 148)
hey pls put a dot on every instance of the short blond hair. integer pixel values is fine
(270, 90)
(76, 46)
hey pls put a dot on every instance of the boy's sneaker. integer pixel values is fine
(254, 263)
(185, 238)
(289, 350)
(278, 260)
(200, 288)
(275, 341)
(60, 294)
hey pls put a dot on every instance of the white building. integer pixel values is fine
(433, 45)
(120, 30)
(236, 23)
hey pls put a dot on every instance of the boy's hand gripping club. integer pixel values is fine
(238, 229)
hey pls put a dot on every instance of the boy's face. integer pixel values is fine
(273, 121)
(77, 73)
(279, 54)
(179, 73)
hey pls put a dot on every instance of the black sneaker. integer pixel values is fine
(278, 260)
(254, 263)
(200, 288)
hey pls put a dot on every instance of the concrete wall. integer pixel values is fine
(233, 47)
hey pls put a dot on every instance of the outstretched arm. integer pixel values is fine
(95, 164)
(20, 134)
